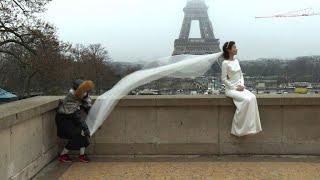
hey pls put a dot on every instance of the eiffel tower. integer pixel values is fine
(207, 44)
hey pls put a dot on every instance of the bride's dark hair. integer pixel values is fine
(225, 47)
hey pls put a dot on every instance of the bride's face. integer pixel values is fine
(233, 50)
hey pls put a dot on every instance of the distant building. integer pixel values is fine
(149, 92)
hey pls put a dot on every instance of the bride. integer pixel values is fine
(246, 119)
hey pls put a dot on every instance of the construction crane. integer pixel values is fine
(298, 13)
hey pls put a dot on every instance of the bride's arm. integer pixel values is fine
(224, 75)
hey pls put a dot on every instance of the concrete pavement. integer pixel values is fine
(186, 167)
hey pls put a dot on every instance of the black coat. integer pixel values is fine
(69, 125)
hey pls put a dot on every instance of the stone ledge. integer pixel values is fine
(18, 111)
(216, 100)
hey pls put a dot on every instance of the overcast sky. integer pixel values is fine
(134, 30)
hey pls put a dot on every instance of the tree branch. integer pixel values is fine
(19, 43)
(10, 53)
(23, 10)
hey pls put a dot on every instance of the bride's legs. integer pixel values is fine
(246, 120)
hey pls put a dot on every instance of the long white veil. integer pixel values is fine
(180, 66)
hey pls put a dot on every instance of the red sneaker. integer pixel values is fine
(83, 158)
(65, 158)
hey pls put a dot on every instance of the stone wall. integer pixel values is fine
(202, 124)
(28, 138)
(160, 125)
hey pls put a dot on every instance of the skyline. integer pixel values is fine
(132, 26)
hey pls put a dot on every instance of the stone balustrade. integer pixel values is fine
(160, 125)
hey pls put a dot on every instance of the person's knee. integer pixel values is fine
(254, 97)
(249, 98)
(251, 95)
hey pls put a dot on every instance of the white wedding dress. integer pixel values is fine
(246, 119)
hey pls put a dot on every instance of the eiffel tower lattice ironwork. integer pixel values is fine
(207, 44)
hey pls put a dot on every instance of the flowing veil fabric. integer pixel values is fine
(181, 66)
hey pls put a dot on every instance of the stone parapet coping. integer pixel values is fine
(19, 111)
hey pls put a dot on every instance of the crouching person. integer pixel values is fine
(70, 119)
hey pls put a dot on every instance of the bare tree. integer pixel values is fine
(18, 23)
(95, 57)
(43, 62)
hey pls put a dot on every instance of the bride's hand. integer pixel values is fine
(240, 88)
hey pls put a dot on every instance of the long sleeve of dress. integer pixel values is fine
(224, 75)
